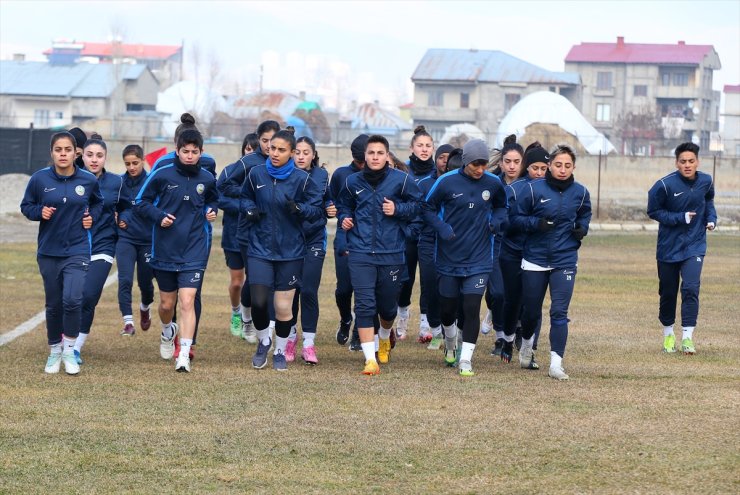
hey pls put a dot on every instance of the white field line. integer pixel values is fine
(39, 318)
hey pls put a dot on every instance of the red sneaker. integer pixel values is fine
(145, 319)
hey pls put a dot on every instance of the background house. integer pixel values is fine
(479, 87)
(731, 132)
(630, 91)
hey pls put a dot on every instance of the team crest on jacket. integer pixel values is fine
(200, 188)
(486, 195)
(80, 190)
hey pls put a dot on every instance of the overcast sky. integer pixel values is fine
(382, 38)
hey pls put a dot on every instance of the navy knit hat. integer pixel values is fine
(445, 148)
(358, 147)
(80, 136)
(536, 155)
(474, 150)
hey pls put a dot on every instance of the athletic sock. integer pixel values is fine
(246, 313)
(235, 310)
(185, 345)
(466, 354)
(423, 319)
(128, 320)
(377, 343)
(81, 338)
(450, 331)
(280, 344)
(368, 349)
(264, 336)
(507, 338)
(688, 332)
(293, 336)
(667, 331)
(167, 331)
(403, 312)
(55, 348)
(528, 343)
(384, 333)
(308, 339)
(555, 360)
(68, 345)
(144, 307)
(437, 331)
(502, 335)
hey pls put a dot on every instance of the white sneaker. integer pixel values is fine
(424, 324)
(183, 363)
(487, 324)
(53, 363)
(248, 332)
(70, 363)
(167, 346)
(557, 373)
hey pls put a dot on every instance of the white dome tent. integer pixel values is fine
(188, 96)
(545, 107)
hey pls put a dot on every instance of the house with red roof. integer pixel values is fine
(731, 130)
(641, 82)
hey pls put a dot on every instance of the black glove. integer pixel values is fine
(545, 225)
(498, 228)
(293, 207)
(254, 215)
(579, 233)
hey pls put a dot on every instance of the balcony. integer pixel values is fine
(678, 92)
(442, 114)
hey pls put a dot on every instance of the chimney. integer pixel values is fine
(19, 57)
(620, 41)
(681, 43)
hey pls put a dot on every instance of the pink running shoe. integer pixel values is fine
(290, 350)
(424, 337)
(309, 355)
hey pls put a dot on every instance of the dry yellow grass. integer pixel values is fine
(631, 420)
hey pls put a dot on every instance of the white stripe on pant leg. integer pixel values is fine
(39, 318)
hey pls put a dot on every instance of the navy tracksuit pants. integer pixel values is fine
(511, 270)
(308, 294)
(376, 291)
(129, 254)
(94, 281)
(343, 292)
(64, 282)
(412, 258)
(534, 285)
(688, 273)
(428, 280)
(495, 289)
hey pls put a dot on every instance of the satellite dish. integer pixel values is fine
(695, 110)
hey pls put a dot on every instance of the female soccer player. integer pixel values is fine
(134, 246)
(465, 208)
(66, 201)
(306, 158)
(277, 198)
(104, 234)
(683, 204)
(555, 212)
(181, 201)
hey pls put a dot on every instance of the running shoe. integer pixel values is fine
(309, 355)
(424, 336)
(128, 330)
(403, 326)
(507, 351)
(669, 343)
(279, 362)
(167, 346)
(78, 356)
(424, 327)
(687, 346)
(354, 343)
(236, 325)
(496, 351)
(436, 343)
(384, 351)
(450, 354)
(182, 364)
(371, 367)
(526, 359)
(249, 333)
(558, 373)
(290, 350)
(466, 368)
(487, 324)
(53, 363)
(70, 363)
(259, 360)
(145, 320)
(343, 331)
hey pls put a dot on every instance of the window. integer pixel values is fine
(665, 79)
(510, 100)
(139, 107)
(435, 98)
(464, 100)
(58, 115)
(603, 112)
(680, 79)
(640, 90)
(604, 80)
(41, 118)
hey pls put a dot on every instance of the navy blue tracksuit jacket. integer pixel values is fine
(138, 229)
(230, 207)
(115, 201)
(336, 184)
(206, 162)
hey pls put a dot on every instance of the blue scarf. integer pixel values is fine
(280, 173)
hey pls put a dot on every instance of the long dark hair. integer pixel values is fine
(309, 141)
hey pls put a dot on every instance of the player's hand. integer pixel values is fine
(389, 207)
(210, 215)
(689, 216)
(331, 211)
(168, 220)
(348, 223)
(86, 220)
(47, 212)
(710, 226)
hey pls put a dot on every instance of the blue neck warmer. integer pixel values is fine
(280, 173)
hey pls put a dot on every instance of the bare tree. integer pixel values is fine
(638, 130)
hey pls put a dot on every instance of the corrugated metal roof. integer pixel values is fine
(371, 116)
(639, 53)
(441, 64)
(79, 80)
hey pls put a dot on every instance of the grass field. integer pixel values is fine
(630, 420)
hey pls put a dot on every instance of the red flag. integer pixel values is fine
(152, 157)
